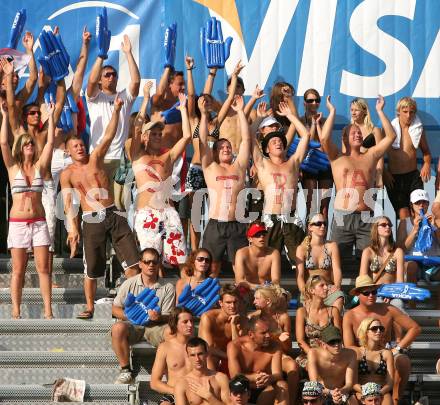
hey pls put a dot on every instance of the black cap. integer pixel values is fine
(239, 384)
(331, 333)
(275, 134)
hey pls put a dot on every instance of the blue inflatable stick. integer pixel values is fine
(315, 160)
(136, 307)
(404, 291)
(103, 34)
(202, 298)
(424, 237)
(169, 45)
(214, 49)
(17, 28)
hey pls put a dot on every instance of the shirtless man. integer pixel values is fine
(201, 386)
(257, 263)
(388, 315)
(258, 358)
(219, 326)
(157, 223)
(402, 176)
(225, 179)
(87, 177)
(333, 366)
(278, 177)
(354, 175)
(171, 359)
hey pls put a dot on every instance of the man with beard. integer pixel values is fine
(258, 358)
(219, 326)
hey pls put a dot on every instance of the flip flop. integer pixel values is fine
(85, 315)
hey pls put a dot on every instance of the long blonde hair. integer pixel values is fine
(311, 283)
(275, 294)
(363, 106)
(17, 149)
(363, 330)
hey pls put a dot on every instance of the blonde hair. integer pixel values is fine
(274, 294)
(17, 149)
(311, 283)
(406, 102)
(363, 106)
(363, 330)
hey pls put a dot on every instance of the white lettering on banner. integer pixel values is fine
(429, 84)
(317, 45)
(396, 56)
(270, 38)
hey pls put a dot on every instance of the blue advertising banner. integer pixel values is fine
(348, 48)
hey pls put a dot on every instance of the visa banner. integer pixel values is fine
(346, 48)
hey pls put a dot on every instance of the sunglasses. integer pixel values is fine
(34, 112)
(378, 328)
(260, 234)
(201, 259)
(310, 401)
(385, 225)
(319, 223)
(110, 74)
(29, 143)
(312, 100)
(148, 262)
(334, 342)
(369, 292)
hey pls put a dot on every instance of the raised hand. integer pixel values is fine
(28, 41)
(238, 103)
(287, 92)
(118, 103)
(147, 88)
(86, 35)
(284, 109)
(258, 93)
(203, 105)
(329, 105)
(189, 62)
(261, 110)
(317, 118)
(182, 101)
(126, 44)
(7, 67)
(50, 107)
(380, 103)
(4, 108)
(238, 68)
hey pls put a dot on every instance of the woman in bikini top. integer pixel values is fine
(375, 363)
(382, 260)
(316, 256)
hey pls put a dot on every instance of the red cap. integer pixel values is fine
(254, 229)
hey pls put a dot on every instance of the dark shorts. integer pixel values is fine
(320, 176)
(183, 207)
(255, 393)
(220, 236)
(348, 230)
(167, 398)
(97, 227)
(404, 184)
(284, 234)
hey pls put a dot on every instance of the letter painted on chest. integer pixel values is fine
(280, 181)
(228, 182)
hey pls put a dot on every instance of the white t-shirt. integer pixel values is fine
(100, 111)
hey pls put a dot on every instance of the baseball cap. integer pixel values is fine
(152, 124)
(419, 195)
(312, 389)
(268, 121)
(331, 333)
(239, 384)
(254, 229)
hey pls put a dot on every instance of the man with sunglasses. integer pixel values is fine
(100, 96)
(239, 388)
(388, 315)
(312, 393)
(123, 332)
(257, 263)
(354, 174)
(334, 366)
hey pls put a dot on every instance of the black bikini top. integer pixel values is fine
(363, 368)
(369, 141)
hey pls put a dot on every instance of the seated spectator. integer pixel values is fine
(334, 366)
(123, 332)
(196, 270)
(388, 315)
(200, 384)
(258, 357)
(314, 317)
(383, 261)
(372, 394)
(219, 326)
(271, 307)
(239, 388)
(257, 263)
(375, 363)
(171, 359)
(317, 256)
(313, 393)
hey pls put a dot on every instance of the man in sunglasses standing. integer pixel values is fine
(335, 367)
(388, 315)
(100, 96)
(123, 332)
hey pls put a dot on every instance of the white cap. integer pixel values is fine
(419, 195)
(268, 121)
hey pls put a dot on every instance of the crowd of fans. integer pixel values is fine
(134, 186)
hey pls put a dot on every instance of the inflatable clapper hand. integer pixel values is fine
(424, 237)
(404, 291)
(103, 34)
(136, 307)
(215, 51)
(169, 46)
(202, 298)
(17, 28)
(315, 160)
(54, 58)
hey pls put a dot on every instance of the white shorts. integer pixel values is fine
(26, 234)
(60, 160)
(48, 199)
(161, 230)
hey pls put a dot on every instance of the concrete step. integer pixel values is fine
(59, 295)
(55, 326)
(64, 280)
(61, 265)
(60, 311)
